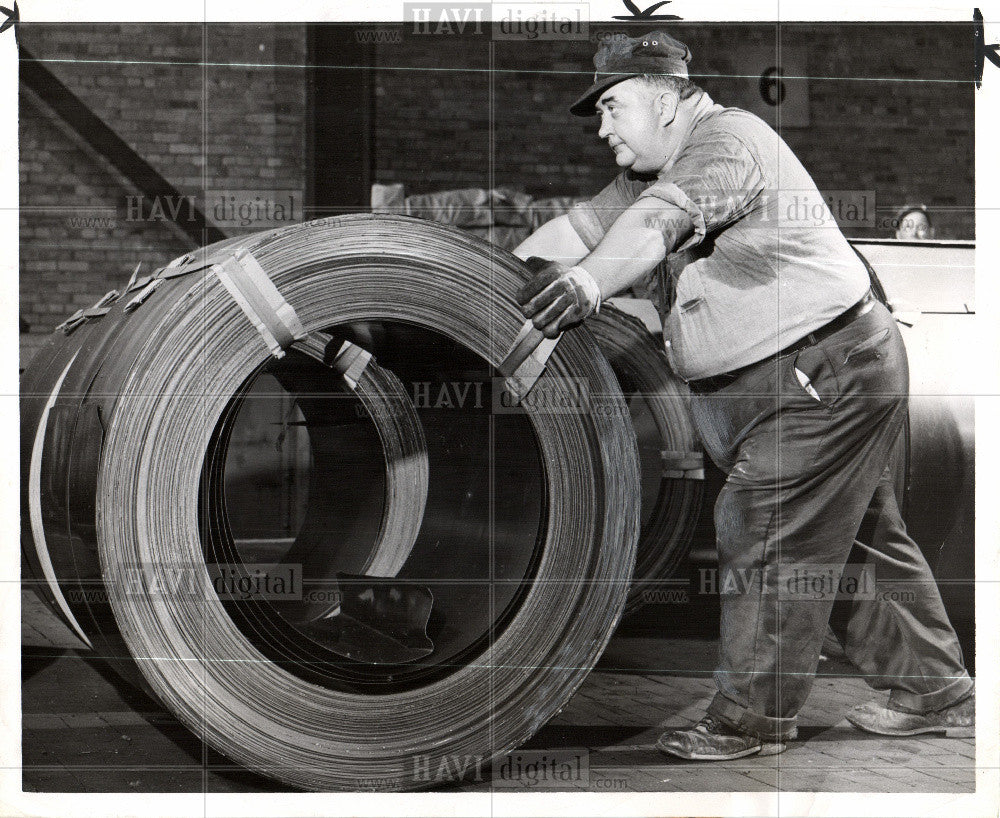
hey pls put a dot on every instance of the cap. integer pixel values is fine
(911, 208)
(620, 58)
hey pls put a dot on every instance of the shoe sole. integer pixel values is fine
(763, 750)
(948, 732)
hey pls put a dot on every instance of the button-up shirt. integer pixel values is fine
(766, 263)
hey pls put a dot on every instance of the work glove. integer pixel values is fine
(557, 296)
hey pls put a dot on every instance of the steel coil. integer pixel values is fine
(155, 408)
(63, 411)
(669, 452)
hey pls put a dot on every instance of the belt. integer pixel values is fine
(716, 382)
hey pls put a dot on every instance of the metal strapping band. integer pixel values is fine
(180, 261)
(180, 266)
(135, 275)
(527, 359)
(272, 316)
(139, 283)
(143, 294)
(683, 465)
(175, 272)
(98, 310)
(351, 362)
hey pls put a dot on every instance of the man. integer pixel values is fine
(799, 384)
(913, 223)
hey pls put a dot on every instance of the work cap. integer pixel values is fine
(620, 58)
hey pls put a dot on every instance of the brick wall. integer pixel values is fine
(215, 128)
(438, 119)
(891, 110)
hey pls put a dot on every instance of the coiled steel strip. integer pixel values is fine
(658, 404)
(193, 349)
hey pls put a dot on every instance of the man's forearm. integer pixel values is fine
(560, 296)
(556, 240)
(638, 240)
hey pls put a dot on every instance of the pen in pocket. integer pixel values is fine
(807, 384)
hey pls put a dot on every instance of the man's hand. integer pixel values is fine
(557, 296)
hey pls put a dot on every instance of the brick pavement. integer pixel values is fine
(84, 731)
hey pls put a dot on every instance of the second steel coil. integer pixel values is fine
(669, 452)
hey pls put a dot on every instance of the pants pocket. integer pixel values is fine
(812, 376)
(868, 349)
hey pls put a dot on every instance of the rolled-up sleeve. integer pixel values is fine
(716, 180)
(593, 218)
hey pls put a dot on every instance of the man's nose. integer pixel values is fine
(605, 130)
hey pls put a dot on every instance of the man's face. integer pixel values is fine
(632, 121)
(914, 225)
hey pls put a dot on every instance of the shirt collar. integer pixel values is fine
(703, 108)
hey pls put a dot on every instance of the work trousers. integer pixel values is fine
(805, 439)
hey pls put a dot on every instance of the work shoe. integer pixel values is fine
(711, 740)
(955, 721)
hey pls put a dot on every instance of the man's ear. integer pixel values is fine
(667, 103)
